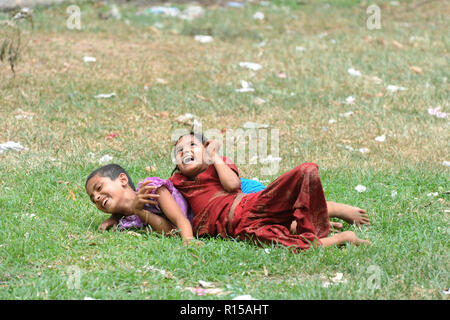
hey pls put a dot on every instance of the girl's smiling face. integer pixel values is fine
(189, 155)
(105, 193)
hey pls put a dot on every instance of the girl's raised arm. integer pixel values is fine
(228, 178)
(174, 213)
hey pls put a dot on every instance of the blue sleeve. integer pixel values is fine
(251, 186)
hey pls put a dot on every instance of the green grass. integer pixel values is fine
(45, 234)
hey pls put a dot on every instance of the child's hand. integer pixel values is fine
(106, 225)
(191, 241)
(144, 196)
(109, 223)
(212, 150)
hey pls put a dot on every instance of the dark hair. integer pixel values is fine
(197, 135)
(111, 171)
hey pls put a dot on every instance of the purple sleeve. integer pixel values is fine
(136, 222)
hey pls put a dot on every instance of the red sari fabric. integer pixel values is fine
(265, 216)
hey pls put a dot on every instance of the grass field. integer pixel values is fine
(49, 244)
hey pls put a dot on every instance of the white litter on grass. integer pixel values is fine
(261, 44)
(437, 112)
(360, 188)
(267, 251)
(244, 297)
(24, 116)
(322, 35)
(347, 114)
(381, 138)
(23, 13)
(259, 101)
(374, 79)
(347, 147)
(393, 194)
(363, 150)
(245, 87)
(11, 145)
(191, 13)
(105, 95)
(105, 159)
(258, 15)
(235, 4)
(338, 278)
(28, 215)
(331, 121)
(349, 100)
(115, 12)
(250, 65)
(254, 125)
(392, 89)
(167, 11)
(89, 298)
(354, 72)
(162, 272)
(202, 291)
(89, 59)
(446, 163)
(300, 49)
(185, 118)
(206, 288)
(161, 81)
(203, 39)
(446, 291)
(432, 194)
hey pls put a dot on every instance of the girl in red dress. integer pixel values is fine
(211, 185)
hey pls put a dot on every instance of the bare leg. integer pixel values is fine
(350, 214)
(341, 238)
(337, 226)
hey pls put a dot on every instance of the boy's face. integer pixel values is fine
(189, 153)
(105, 193)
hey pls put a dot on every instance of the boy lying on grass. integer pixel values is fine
(155, 202)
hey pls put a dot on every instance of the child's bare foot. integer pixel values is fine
(350, 236)
(343, 238)
(350, 214)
